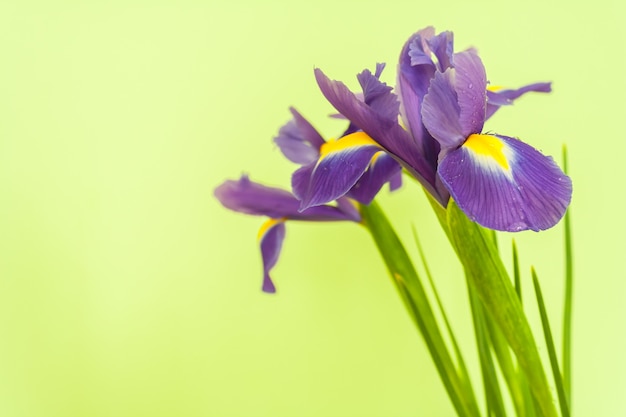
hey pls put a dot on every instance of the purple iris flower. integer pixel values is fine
(443, 102)
(248, 197)
(301, 143)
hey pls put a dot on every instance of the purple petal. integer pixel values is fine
(442, 45)
(440, 111)
(415, 71)
(395, 182)
(342, 163)
(271, 236)
(298, 140)
(497, 97)
(377, 95)
(245, 196)
(381, 170)
(470, 82)
(388, 133)
(505, 184)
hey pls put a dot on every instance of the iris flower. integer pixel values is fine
(443, 101)
(302, 144)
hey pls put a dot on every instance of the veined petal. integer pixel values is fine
(505, 184)
(271, 236)
(298, 140)
(382, 169)
(498, 96)
(470, 82)
(440, 110)
(340, 166)
(245, 196)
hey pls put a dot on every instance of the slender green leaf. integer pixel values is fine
(493, 395)
(515, 380)
(567, 307)
(464, 374)
(550, 344)
(412, 291)
(516, 273)
(484, 267)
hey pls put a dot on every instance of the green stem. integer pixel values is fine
(410, 288)
(487, 274)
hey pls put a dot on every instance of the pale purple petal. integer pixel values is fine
(442, 46)
(332, 176)
(440, 112)
(524, 190)
(470, 82)
(298, 140)
(271, 239)
(382, 169)
(245, 196)
(308, 132)
(292, 144)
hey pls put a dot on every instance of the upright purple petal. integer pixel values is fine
(382, 169)
(342, 163)
(470, 82)
(442, 46)
(440, 111)
(505, 184)
(271, 236)
(415, 71)
(245, 196)
(298, 140)
(377, 95)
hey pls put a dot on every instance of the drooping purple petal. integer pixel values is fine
(440, 111)
(470, 82)
(388, 133)
(505, 184)
(271, 236)
(382, 169)
(298, 140)
(497, 97)
(342, 163)
(245, 196)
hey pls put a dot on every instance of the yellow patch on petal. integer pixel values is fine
(352, 140)
(494, 88)
(489, 146)
(268, 225)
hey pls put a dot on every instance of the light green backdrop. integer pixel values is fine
(125, 288)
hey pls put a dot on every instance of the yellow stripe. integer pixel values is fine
(349, 141)
(494, 88)
(490, 146)
(268, 225)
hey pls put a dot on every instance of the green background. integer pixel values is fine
(127, 290)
